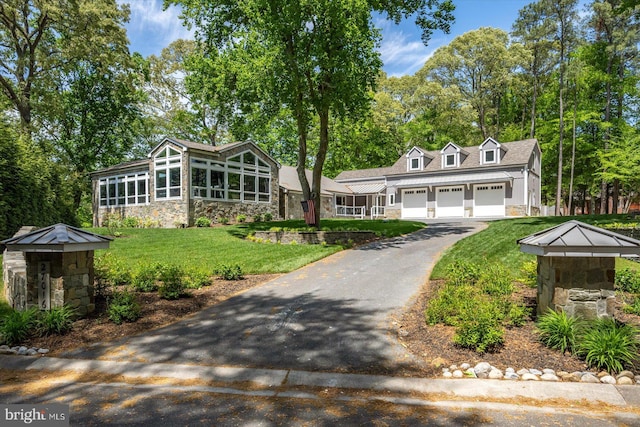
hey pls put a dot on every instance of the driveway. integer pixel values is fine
(332, 315)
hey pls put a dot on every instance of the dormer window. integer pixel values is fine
(490, 152)
(452, 156)
(417, 160)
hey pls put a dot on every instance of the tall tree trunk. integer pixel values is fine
(323, 115)
(534, 97)
(573, 148)
(561, 132)
(604, 201)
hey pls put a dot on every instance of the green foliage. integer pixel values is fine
(57, 321)
(203, 221)
(627, 280)
(123, 307)
(529, 273)
(172, 284)
(229, 272)
(147, 277)
(609, 345)
(111, 269)
(463, 272)
(518, 315)
(17, 326)
(495, 280)
(633, 307)
(196, 279)
(268, 216)
(131, 222)
(223, 220)
(559, 331)
(257, 218)
(480, 330)
(241, 218)
(449, 304)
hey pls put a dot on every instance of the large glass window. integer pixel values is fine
(168, 166)
(244, 177)
(124, 190)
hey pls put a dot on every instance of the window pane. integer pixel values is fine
(161, 194)
(234, 181)
(131, 192)
(174, 192)
(249, 158)
(174, 177)
(142, 191)
(414, 163)
(264, 197)
(451, 159)
(217, 184)
(121, 193)
(250, 183)
(173, 152)
(198, 177)
(161, 179)
(162, 154)
(234, 195)
(103, 194)
(263, 185)
(489, 156)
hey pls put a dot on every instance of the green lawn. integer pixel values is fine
(206, 248)
(497, 243)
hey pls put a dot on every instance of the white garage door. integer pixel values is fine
(414, 204)
(488, 200)
(450, 202)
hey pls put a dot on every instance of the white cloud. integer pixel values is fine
(402, 53)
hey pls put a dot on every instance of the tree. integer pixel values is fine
(479, 65)
(315, 58)
(39, 38)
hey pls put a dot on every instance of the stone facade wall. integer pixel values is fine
(14, 275)
(516, 210)
(578, 286)
(293, 208)
(71, 279)
(316, 237)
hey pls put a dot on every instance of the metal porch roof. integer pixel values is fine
(57, 238)
(465, 178)
(367, 188)
(577, 239)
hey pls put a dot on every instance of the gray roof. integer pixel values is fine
(515, 153)
(57, 238)
(577, 239)
(289, 180)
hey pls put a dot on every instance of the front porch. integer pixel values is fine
(360, 205)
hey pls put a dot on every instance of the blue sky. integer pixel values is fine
(151, 29)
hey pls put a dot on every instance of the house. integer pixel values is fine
(492, 179)
(180, 181)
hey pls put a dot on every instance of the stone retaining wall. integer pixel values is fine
(316, 237)
(14, 275)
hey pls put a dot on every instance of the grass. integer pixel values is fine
(497, 243)
(208, 248)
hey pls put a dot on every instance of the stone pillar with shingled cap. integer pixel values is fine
(58, 263)
(576, 267)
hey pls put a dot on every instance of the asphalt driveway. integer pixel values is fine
(334, 315)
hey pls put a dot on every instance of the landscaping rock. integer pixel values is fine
(549, 377)
(627, 374)
(511, 376)
(549, 371)
(465, 366)
(495, 374)
(602, 374)
(521, 372)
(528, 376)
(457, 373)
(470, 373)
(589, 378)
(535, 372)
(482, 367)
(625, 381)
(43, 350)
(608, 379)
(447, 374)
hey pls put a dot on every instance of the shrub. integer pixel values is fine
(463, 272)
(229, 272)
(112, 270)
(559, 331)
(131, 222)
(628, 280)
(58, 320)
(224, 220)
(479, 330)
(529, 273)
(518, 315)
(172, 286)
(18, 326)
(257, 218)
(609, 345)
(241, 218)
(495, 280)
(633, 307)
(268, 216)
(447, 306)
(195, 279)
(123, 307)
(203, 221)
(146, 278)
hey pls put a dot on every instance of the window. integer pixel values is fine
(415, 163)
(392, 199)
(449, 160)
(490, 156)
(168, 166)
(124, 190)
(243, 177)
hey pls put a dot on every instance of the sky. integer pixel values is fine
(151, 29)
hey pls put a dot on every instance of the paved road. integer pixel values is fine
(333, 315)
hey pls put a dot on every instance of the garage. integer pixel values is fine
(449, 202)
(488, 200)
(414, 204)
